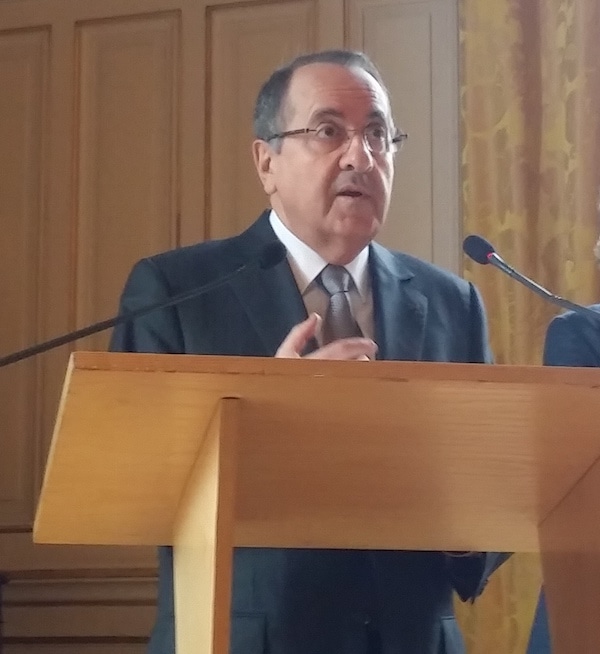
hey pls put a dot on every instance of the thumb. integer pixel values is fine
(299, 335)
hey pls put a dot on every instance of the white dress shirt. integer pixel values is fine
(306, 266)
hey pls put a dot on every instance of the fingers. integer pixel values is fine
(296, 340)
(346, 349)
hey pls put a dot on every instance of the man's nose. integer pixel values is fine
(357, 154)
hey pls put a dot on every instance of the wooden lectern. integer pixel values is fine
(208, 453)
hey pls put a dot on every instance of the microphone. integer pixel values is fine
(483, 252)
(270, 255)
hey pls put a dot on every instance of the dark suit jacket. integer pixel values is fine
(573, 339)
(316, 601)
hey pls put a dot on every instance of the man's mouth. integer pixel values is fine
(352, 193)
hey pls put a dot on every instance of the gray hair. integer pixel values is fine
(270, 100)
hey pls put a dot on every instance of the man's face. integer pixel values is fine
(335, 201)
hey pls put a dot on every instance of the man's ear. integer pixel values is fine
(264, 161)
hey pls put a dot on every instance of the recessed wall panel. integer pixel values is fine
(127, 153)
(23, 80)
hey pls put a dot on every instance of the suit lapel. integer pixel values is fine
(270, 298)
(399, 309)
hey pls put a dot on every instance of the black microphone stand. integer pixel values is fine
(271, 254)
(116, 320)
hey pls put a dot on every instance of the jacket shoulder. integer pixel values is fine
(423, 274)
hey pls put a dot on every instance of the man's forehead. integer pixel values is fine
(331, 88)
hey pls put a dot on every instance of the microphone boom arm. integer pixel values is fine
(495, 260)
(96, 327)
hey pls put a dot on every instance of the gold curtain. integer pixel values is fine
(530, 112)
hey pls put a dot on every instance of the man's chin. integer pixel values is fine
(353, 237)
(360, 226)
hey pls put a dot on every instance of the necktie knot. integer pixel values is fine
(335, 279)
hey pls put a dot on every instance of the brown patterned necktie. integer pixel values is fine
(338, 321)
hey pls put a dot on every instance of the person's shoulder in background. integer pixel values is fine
(573, 339)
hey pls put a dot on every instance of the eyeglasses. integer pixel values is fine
(328, 137)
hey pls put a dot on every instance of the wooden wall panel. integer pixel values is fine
(127, 187)
(21, 558)
(23, 103)
(90, 609)
(415, 46)
(58, 599)
(111, 646)
(245, 44)
(105, 89)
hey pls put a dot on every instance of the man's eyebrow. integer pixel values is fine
(326, 113)
(335, 113)
(377, 113)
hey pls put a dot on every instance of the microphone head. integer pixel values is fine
(478, 248)
(272, 254)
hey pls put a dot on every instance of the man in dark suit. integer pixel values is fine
(573, 339)
(324, 152)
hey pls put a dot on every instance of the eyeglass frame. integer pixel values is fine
(396, 140)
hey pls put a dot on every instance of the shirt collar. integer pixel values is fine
(307, 264)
